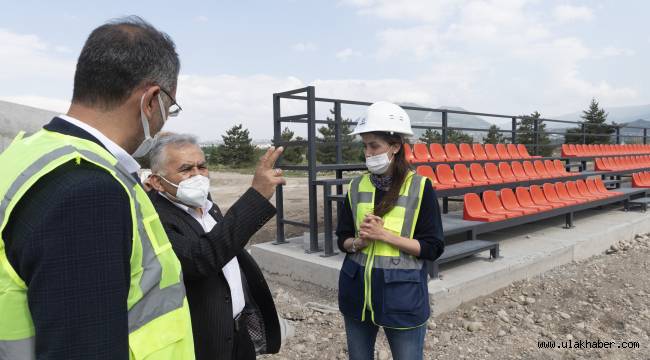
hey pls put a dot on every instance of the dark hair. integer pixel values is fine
(400, 168)
(120, 56)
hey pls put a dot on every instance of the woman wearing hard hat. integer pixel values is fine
(390, 223)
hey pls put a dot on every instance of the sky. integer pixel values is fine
(495, 56)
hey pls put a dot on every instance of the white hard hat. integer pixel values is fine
(384, 116)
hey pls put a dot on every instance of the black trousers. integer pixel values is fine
(243, 347)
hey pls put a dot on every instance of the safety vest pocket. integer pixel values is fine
(403, 291)
(160, 337)
(351, 290)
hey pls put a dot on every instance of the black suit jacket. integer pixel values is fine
(203, 255)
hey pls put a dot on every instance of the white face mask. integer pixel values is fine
(147, 143)
(193, 191)
(378, 164)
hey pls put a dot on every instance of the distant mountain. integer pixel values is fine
(639, 123)
(618, 114)
(453, 120)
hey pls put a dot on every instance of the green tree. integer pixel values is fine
(596, 130)
(457, 137)
(453, 136)
(430, 136)
(494, 136)
(212, 155)
(237, 149)
(292, 152)
(352, 150)
(526, 134)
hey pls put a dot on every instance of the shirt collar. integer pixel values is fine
(123, 157)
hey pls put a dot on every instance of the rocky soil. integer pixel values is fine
(604, 298)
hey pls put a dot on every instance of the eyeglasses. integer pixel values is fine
(174, 108)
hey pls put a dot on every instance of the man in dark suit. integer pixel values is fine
(233, 314)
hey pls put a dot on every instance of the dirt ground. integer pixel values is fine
(605, 298)
(227, 187)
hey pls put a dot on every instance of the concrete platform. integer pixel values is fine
(526, 251)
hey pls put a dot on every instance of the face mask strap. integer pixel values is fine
(168, 182)
(143, 118)
(162, 109)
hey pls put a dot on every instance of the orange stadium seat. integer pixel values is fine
(473, 210)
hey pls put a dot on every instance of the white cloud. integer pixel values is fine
(569, 13)
(304, 47)
(419, 10)
(423, 41)
(213, 104)
(26, 56)
(611, 51)
(346, 54)
(40, 102)
(493, 55)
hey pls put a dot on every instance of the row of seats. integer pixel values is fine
(641, 180)
(530, 200)
(464, 152)
(622, 163)
(489, 173)
(579, 150)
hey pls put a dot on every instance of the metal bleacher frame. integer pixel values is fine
(451, 222)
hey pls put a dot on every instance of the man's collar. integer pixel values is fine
(123, 157)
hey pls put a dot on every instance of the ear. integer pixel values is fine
(150, 104)
(156, 183)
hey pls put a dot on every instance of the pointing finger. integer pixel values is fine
(266, 155)
(273, 157)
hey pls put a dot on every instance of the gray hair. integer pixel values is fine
(157, 158)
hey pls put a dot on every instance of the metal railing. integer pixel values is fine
(313, 168)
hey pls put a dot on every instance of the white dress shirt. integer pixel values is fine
(231, 270)
(123, 157)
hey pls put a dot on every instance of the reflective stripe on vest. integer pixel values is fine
(159, 293)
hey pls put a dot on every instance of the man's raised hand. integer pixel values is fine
(266, 178)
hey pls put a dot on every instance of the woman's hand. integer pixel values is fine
(372, 228)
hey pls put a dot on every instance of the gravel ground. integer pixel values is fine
(604, 298)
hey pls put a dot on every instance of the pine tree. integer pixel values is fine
(494, 136)
(212, 155)
(457, 137)
(453, 136)
(292, 152)
(430, 136)
(352, 150)
(237, 149)
(526, 134)
(596, 130)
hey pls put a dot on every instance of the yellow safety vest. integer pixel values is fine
(394, 286)
(158, 314)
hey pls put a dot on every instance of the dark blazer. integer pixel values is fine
(203, 255)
